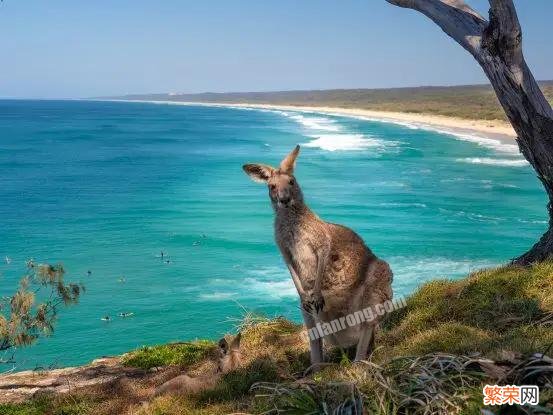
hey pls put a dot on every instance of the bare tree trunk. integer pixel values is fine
(497, 47)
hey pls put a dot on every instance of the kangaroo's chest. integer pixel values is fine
(299, 248)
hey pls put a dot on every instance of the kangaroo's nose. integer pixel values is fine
(285, 200)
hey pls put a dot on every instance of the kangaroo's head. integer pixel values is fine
(229, 354)
(284, 190)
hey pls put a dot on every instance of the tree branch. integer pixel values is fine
(497, 47)
(503, 36)
(506, 12)
(461, 22)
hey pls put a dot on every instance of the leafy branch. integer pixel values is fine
(33, 310)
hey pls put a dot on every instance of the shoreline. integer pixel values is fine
(490, 129)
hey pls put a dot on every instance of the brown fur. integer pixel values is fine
(229, 359)
(335, 273)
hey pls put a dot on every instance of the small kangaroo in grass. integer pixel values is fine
(332, 268)
(229, 359)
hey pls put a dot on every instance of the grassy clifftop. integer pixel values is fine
(433, 356)
(470, 101)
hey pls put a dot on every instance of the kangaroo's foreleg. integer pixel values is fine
(316, 300)
(309, 318)
(297, 282)
(366, 342)
(306, 297)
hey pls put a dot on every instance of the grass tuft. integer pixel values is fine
(506, 308)
(50, 405)
(182, 354)
(237, 383)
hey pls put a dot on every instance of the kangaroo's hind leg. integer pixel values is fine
(365, 345)
(315, 345)
(377, 290)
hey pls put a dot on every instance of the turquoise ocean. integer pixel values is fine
(106, 186)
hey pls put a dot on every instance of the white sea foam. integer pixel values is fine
(534, 222)
(344, 142)
(490, 143)
(315, 123)
(391, 184)
(263, 282)
(454, 180)
(417, 205)
(217, 296)
(476, 217)
(321, 123)
(329, 135)
(274, 289)
(495, 162)
(487, 142)
(410, 272)
(274, 282)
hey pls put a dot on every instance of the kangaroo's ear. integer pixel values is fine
(287, 165)
(223, 346)
(258, 172)
(235, 344)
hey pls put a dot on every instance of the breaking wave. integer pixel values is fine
(495, 162)
(344, 142)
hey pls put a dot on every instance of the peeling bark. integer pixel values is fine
(497, 46)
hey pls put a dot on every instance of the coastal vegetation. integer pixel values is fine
(433, 356)
(477, 102)
(32, 311)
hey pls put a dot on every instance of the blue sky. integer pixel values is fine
(67, 48)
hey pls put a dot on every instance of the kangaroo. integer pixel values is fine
(229, 359)
(334, 272)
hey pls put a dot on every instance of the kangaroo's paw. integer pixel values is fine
(313, 303)
(319, 303)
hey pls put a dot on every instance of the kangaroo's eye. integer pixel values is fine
(272, 187)
(292, 182)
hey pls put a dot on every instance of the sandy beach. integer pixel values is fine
(489, 128)
(494, 129)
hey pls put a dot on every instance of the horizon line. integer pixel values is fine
(171, 93)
